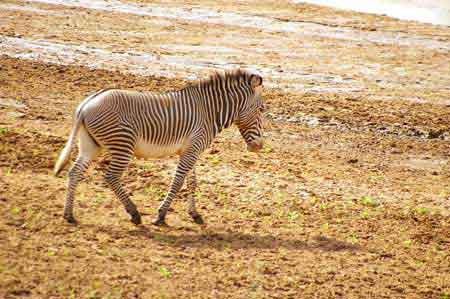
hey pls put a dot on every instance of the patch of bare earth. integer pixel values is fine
(335, 213)
(349, 199)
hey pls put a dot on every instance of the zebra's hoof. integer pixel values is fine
(198, 219)
(70, 219)
(136, 219)
(159, 222)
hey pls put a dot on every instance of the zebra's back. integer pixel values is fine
(158, 125)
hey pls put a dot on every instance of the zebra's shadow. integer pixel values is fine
(240, 240)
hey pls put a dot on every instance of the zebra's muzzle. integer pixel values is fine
(255, 145)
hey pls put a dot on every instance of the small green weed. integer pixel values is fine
(267, 149)
(323, 206)
(365, 214)
(8, 171)
(98, 199)
(15, 210)
(96, 284)
(51, 252)
(92, 294)
(368, 201)
(165, 272)
(354, 239)
(420, 264)
(214, 160)
(422, 210)
(154, 191)
(292, 216)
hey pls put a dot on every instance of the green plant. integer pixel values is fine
(214, 160)
(368, 201)
(51, 252)
(96, 284)
(292, 216)
(3, 131)
(81, 197)
(154, 191)
(66, 252)
(323, 206)
(420, 264)
(247, 214)
(146, 167)
(422, 210)
(365, 214)
(354, 239)
(99, 198)
(165, 272)
(267, 149)
(8, 171)
(92, 294)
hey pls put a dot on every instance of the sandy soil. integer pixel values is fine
(350, 198)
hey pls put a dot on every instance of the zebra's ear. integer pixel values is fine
(255, 80)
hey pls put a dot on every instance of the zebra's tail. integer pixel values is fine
(65, 153)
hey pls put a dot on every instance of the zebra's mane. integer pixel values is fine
(228, 76)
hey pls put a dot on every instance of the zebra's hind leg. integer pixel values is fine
(75, 177)
(192, 186)
(88, 150)
(119, 163)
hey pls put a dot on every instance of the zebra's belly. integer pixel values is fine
(155, 151)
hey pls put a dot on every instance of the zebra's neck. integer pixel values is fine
(220, 107)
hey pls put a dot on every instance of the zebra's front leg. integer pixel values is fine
(186, 164)
(192, 186)
(118, 165)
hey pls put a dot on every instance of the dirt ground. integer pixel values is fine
(349, 199)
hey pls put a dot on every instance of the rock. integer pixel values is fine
(10, 103)
(15, 114)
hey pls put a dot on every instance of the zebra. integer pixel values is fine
(130, 124)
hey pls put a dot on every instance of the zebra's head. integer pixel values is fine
(250, 114)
